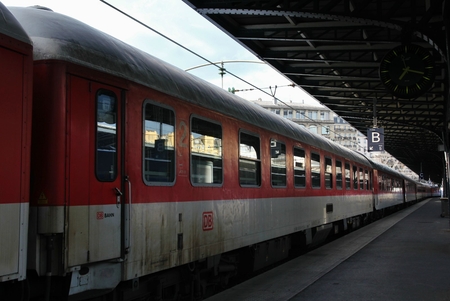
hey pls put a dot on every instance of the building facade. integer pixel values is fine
(319, 120)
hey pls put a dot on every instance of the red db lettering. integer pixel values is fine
(208, 221)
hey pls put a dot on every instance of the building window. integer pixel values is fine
(249, 160)
(313, 115)
(206, 152)
(159, 144)
(278, 163)
(289, 114)
(313, 129)
(325, 130)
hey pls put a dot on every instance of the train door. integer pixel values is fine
(95, 177)
(15, 110)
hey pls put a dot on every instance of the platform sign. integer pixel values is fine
(375, 140)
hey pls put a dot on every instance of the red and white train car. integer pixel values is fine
(146, 176)
(16, 62)
(390, 187)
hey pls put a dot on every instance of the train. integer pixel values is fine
(127, 178)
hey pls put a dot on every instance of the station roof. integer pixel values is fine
(333, 50)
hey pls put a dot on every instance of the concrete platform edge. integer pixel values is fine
(289, 279)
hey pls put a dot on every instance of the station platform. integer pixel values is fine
(404, 256)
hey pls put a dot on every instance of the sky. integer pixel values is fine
(180, 23)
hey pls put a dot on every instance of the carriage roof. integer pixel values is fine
(59, 37)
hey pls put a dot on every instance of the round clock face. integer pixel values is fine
(407, 71)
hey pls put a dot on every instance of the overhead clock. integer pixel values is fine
(407, 71)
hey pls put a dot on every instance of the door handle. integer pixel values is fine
(118, 195)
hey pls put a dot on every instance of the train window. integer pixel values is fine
(159, 144)
(249, 160)
(381, 183)
(361, 179)
(278, 163)
(338, 174)
(347, 175)
(328, 173)
(366, 177)
(206, 152)
(315, 170)
(355, 177)
(299, 168)
(106, 136)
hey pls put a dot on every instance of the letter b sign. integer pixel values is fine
(375, 140)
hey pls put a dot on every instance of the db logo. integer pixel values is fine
(208, 221)
(100, 215)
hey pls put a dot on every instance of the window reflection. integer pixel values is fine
(106, 136)
(206, 152)
(159, 144)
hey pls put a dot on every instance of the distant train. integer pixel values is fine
(129, 179)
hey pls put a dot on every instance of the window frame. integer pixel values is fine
(367, 178)
(257, 161)
(355, 177)
(166, 107)
(272, 165)
(312, 155)
(348, 172)
(327, 160)
(116, 141)
(191, 153)
(361, 178)
(341, 181)
(295, 168)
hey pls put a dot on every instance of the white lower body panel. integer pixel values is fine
(13, 245)
(165, 235)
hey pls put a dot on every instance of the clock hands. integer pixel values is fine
(415, 71)
(405, 70)
(408, 69)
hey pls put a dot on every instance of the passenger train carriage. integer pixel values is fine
(16, 62)
(149, 182)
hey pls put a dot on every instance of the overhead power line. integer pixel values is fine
(217, 64)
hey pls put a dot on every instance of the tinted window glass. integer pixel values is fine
(206, 152)
(328, 173)
(159, 144)
(299, 168)
(249, 160)
(355, 177)
(106, 136)
(278, 163)
(315, 170)
(361, 178)
(338, 174)
(347, 176)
